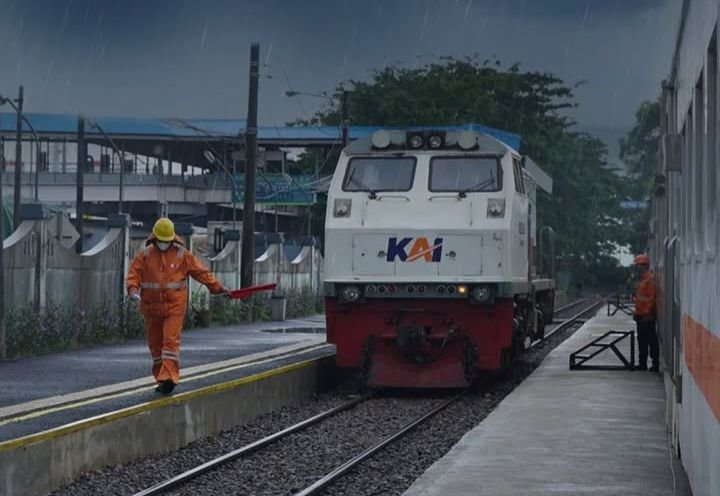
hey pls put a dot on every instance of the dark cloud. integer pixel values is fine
(189, 58)
(572, 9)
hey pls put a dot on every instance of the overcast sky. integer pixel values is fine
(189, 58)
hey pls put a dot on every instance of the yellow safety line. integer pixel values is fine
(145, 407)
(112, 396)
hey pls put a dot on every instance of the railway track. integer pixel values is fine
(322, 483)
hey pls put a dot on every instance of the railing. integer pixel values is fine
(620, 303)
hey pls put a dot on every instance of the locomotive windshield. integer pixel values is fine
(380, 174)
(465, 174)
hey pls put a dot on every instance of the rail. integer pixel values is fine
(195, 472)
(322, 483)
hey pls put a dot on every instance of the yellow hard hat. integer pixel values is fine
(164, 229)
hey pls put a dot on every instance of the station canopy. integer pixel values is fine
(188, 140)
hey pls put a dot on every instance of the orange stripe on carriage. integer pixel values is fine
(702, 356)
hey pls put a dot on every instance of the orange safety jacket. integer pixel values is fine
(645, 296)
(161, 278)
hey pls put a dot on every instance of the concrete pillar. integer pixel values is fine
(122, 221)
(36, 212)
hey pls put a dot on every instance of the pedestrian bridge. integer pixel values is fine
(59, 187)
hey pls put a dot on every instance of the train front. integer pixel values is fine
(417, 262)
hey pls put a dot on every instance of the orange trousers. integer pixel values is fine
(163, 336)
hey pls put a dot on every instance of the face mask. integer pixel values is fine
(163, 246)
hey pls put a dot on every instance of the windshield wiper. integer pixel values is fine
(371, 192)
(477, 187)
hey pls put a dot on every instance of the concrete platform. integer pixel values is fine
(562, 432)
(46, 392)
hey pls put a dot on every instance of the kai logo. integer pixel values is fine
(412, 249)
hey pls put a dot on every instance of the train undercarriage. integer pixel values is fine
(433, 343)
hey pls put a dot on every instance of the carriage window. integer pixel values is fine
(380, 174)
(465, 174)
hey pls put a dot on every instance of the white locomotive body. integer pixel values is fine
(430, 239)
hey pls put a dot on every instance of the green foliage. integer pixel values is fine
(638, 150)
(226, 312)
(60, 327)
(303, 303)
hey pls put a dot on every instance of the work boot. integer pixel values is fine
(655, 368)
(165, 387)
(641, 367)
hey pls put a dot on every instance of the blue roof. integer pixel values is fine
(66, 124)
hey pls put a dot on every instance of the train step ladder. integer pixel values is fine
(579, 359)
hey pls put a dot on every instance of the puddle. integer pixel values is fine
(297, 330)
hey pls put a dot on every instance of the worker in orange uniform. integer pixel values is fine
(645, 314)
(158, 280)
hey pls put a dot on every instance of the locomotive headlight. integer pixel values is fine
(342, 207)
(496, 207)
(481, 294)
(415, 140)
(350, 294)
(435, 141)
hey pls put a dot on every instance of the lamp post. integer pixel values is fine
(18, 166)
(121, 157)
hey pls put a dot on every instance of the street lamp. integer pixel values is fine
(121, 157)
(18, 110)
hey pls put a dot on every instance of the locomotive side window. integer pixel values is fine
(467, 174)
(519, 181)
(380, 174)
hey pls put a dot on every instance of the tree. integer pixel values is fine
(638, 150)
(583, 209)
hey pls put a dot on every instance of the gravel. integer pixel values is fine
(298, 460)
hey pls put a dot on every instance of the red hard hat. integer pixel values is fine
(642, 260)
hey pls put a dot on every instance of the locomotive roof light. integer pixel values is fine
(436, 141)
(381, 139)
(415, 140)
(462, 289)
(350, 294)
(467, 140)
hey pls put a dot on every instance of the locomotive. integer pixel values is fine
(430, 273)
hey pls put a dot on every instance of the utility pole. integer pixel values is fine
(345, 110)
(3, 326)
(248, 233)
(81, 163)
(18, 159)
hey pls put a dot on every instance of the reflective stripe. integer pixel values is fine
(170, 285)
(157, 359)
(169, 355)
(180, 252)
(146, 250)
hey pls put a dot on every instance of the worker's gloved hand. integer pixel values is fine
(135, 296)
